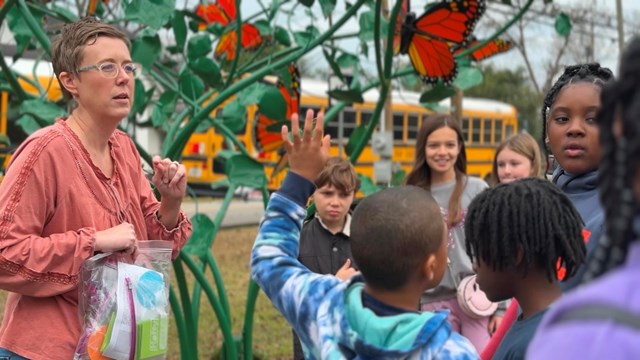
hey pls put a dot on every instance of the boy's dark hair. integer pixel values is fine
(340, 173)
(589, 73)
(420, 175)
(531, 214)
(619, 133)
(392, 232)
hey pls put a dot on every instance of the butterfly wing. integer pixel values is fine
(212, 14)
(432, 59)
(226, 46)
(267, 131)
(451, 21)
(493, 47)
(397, 36)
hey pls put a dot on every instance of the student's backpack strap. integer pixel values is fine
(602, 312)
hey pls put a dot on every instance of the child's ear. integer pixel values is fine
(429, 271)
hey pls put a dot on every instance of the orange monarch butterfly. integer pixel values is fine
(493, 47)
(429, 38)
(223, 12)
(266, 130)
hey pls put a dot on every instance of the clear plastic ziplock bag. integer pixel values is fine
(124, 306)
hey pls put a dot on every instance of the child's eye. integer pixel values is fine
(561, 119)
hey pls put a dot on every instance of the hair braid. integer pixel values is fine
(530, 215)
(620, 153)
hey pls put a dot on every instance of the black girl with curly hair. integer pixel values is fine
(572, 136)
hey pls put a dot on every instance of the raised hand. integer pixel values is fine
(346, 271)
(308, 154)
(170, 178)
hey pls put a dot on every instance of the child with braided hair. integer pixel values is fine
(515, 235)
(571, 133)
(601, 320)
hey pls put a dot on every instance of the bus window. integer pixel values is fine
(412, 126)
(487, 131)
(398, 126)
(365, 117)
(303, 111)
(349, 120)
(332, 129)
(508, 130)
(475, 132)
(465, 129)
(498, 131)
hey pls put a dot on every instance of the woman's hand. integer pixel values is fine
(169, 178)
(118, 238)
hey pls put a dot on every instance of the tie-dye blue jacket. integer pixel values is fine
(327, 313)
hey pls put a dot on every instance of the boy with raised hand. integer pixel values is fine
(399, 254)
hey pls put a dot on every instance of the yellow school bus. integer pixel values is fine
(485, 124)
(49, 88)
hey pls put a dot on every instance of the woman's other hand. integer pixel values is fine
(169, 178)
(118, 238)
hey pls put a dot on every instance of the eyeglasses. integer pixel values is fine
(111, 70)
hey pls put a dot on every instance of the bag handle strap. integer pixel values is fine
(602, 312)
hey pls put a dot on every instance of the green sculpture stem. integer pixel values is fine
(33, 25)
(238, 30)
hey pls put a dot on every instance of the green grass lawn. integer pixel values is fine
(271, 334)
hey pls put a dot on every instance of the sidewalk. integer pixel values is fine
(240, 212)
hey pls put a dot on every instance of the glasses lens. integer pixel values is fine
(108, 69)
(132, 69)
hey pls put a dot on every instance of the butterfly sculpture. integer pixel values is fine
(430, 38)
(266, 130)
(493, 47)
(223, 12)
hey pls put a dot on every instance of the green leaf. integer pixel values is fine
(563, 24)
(346, 61)
(208, 71)
(190, 84)
(234, 116)
(64, 13)
(333, 64)
(263, 26)
(366, 21)
(307, 3)
(242, 170)
(302, 38)
(508, 2)
(139, 98)
(437, 93)
(349, 96)
(282, 36)
(367, 186)
(253, 93)
(198, 46)
(202, 236)
(29, 124)
(146, 48)
(327, 6)
(153, 13)
(179, 26)
(163, 108)
(42, 110)
(467, 78)
(272, 104)
(356, 136)
(20, 29)
(364, 49)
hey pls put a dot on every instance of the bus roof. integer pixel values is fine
(318, 88)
